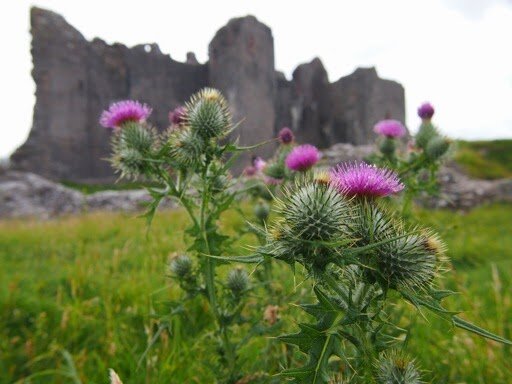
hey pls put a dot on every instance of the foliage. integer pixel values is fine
(90, 284)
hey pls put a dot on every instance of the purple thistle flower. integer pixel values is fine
(177, 115)
(389, 128)
(285, 135)
(426, 111)
(259, 163)
(361, 179)
(302, 158)
(123, 111)
(250, 171)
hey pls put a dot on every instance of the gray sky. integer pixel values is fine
(453, 53)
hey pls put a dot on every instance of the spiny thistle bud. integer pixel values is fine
(132, 146)
(388, 146)
(218, 179)
(261, 211)
(437, 147)
(426, 132)
(406, 262)
(178, 115)
(314, 211)
(181, 266)
(237, 281)
(275, 170)
(396, 368)
(208, 115)
(185, 147)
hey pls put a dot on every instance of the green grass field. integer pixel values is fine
(82, 294)
(485, 159)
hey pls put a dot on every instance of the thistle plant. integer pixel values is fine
(362, 260)
(188, 163)
(419, 164)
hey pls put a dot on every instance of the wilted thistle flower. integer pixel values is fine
(396, 368)
(426, 132)
(426, 111)
(322, 177)
(363, 180)
(390, 128)
(177, 115)
(285, 135)
(237, 281)
(302, 157)
(181, 266)
(125, 111)
(437, 146)
(208, 114)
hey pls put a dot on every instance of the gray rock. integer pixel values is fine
(76, 79)
(26, 194)
(241, 66)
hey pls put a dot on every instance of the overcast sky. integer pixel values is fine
(453, 53)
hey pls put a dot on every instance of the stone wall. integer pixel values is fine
(76, 79)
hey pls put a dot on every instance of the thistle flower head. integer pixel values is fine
(132, 146)
(275, 170)
(181, 266)
(426, 111)
(259, 163)
(396, 368)
(237, 280)
(285, 135)
(426, 133)
(125, 111)
(361, 179)
(208, 114)
(177, 115)
(437, 146)
(314, 211)
(390, 128)
(409, 261)
(250, 171)
(261, 211)
(186, 148)
(322, 177)
(302, 157)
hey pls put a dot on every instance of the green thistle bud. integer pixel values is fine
(181, 266)
(185, 148)
(208, 115)
(276, 170)
(132, 146)
(261, 211)
(237, 281)
(396, 368)
(388, 146)
(407, 262)
(437, 147)
(314, 212)
(426, 132)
